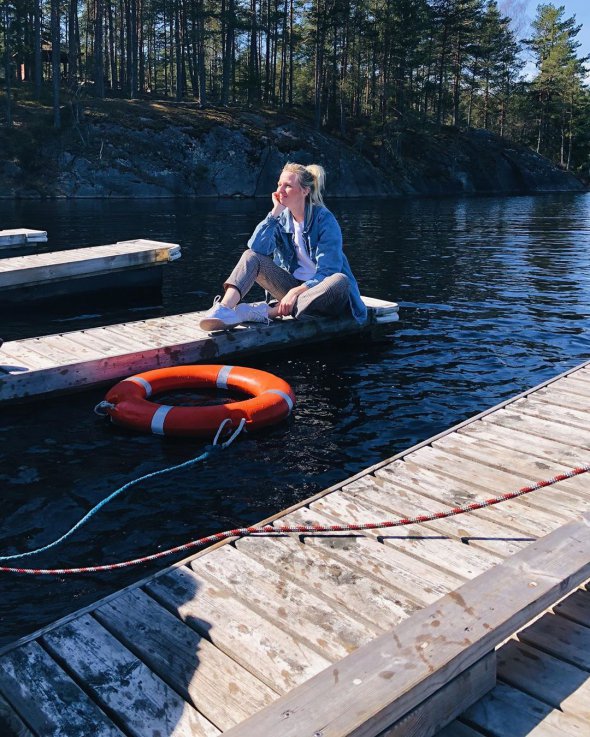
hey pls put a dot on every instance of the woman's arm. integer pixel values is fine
(328, 255)
(263, 239)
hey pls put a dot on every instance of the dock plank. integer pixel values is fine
(561, 637)
(315, 568)
(121, 683)
(538, 427)
(307, 618)
(508, 711)
(404, 500)
(21, 236)
(576, 607)
(21, 271)
(566, 500)
(445, 554)
(48, 699)
(221, 689)
(273, 656)
(549, 679)
(473, 480)
(507, 438)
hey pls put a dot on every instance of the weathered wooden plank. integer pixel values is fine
(538, 427)
(417, 581)
(458, 729)
(125, 342)
(546, 677)
(47, 698)
(22, 271)
(406, 499)
(560, 637)
(270, 654)
(575, 384)
(564, 503)
(344, 586)
(508, 711)
(17, 354)
(144, 704)
(566, 455)
(536, 408)
(44, 348)
(381, 682)
(305, 616)
(221, 689)
(10, 722)
(445, 554)
(576, 607)
(448, 702)
(472, 481)
(557, 395)
(21, 236)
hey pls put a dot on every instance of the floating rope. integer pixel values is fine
(214, 447)
(279, 529)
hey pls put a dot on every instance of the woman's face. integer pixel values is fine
(291, 193)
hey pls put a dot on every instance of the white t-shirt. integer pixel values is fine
(306, 268)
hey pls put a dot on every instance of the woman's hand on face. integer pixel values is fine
(286, 305)
(277, 208)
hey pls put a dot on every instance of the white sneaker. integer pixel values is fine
(219, 317)
(255, 312)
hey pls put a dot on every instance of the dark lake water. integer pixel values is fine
(494, 298)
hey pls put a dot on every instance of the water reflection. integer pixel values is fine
(495, 299)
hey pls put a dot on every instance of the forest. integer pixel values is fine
(353, 68)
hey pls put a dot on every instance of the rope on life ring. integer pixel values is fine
(128, 402)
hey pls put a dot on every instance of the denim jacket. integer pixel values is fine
(322, 235)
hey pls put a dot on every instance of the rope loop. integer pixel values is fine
(102, 408)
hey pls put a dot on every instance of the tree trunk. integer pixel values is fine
(38, 63)
(98, 51)
(55, 61)
(7, 69)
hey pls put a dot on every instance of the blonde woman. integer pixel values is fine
(296, 255)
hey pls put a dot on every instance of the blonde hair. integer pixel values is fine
(312, 176)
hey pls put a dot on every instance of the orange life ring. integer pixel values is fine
(127, 403)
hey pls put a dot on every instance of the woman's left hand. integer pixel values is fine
(286, 305)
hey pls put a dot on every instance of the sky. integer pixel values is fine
(523, 12)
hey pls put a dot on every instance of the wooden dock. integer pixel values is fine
(77, 360)
(21, 237)
(385, 633)
(80, 270)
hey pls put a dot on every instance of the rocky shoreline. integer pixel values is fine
(242, 155)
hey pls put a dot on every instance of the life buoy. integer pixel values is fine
(128, 402)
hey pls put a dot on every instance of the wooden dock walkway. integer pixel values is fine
(74, 271)
(77, 360)
(21, 237)
(389, 632)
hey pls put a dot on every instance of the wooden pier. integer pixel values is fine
(42, 276)
(9, 239)
(384, 633)
(77, 360)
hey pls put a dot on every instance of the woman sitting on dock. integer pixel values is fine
(296, 255)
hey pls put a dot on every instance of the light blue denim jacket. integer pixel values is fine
(321, 232)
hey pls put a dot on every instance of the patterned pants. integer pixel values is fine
(329, 297)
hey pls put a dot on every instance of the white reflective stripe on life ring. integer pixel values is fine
(222, 377)
(142, 382)
(284, 395)
(157, 426)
